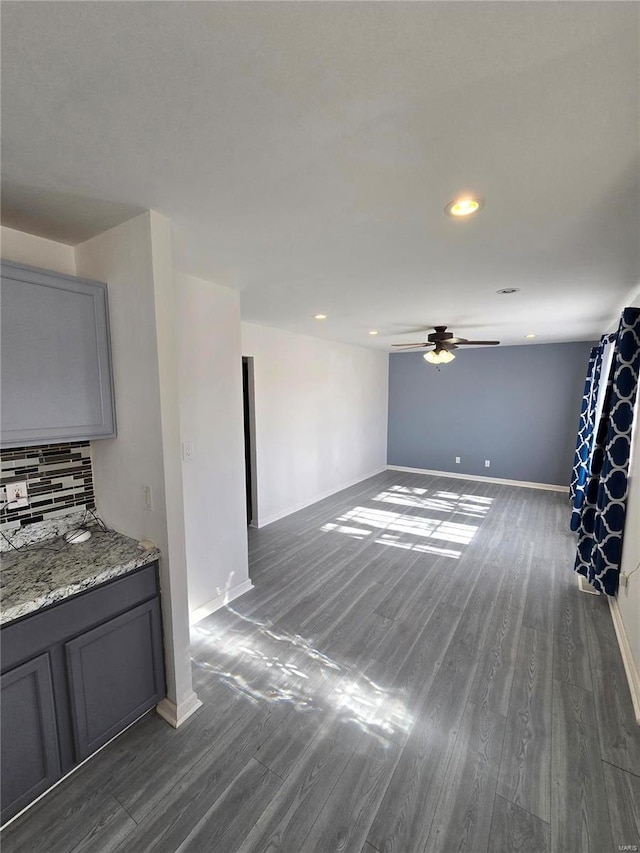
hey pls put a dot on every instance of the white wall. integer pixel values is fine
(37, 251)
(629, 598)
(211, 419)
(135, 261)
(320, 415)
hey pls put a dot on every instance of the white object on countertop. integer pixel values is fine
(77, 535)
(146, 545)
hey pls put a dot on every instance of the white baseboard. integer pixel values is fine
(174, 714)
(630, 666)
(319, 497)
(219, 601)
(523, 483)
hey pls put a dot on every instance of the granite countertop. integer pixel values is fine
(48, 572)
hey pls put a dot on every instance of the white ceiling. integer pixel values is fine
(305, 151)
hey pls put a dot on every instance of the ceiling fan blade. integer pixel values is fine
(411, 330)
(411, 345)
(477, 343)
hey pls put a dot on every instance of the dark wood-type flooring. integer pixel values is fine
(414, 671)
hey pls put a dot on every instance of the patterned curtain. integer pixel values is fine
(601, 524)
(584, 443)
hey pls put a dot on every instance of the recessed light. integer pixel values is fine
(507, 290)
(373, 331)
(462, 207)
(319, 316)
(531, 335)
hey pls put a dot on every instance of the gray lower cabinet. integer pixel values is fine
(115, 674)
(30, 758)
(74, 675)
(55, 358)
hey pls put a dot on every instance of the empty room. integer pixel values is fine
(319, 440)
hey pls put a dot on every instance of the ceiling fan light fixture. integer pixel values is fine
(461, 208)
(441, 356)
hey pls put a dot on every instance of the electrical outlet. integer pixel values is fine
(457, 460)
(487, 463)
(17, 494)
(187, 450)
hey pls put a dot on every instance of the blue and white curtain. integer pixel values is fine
(601, 519)
(584, 443)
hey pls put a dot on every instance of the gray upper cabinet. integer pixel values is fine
(56, 375)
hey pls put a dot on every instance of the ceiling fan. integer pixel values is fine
(443, 343)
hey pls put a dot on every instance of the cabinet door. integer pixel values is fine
(56, 364)
(116, 673)
(30, 761)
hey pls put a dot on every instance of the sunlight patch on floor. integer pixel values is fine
(449, 502)
(407, 529)
(274, 666)
(418, 526)
(371, 707)
(356, 532)
(395, 542)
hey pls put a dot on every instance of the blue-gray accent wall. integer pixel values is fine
(516, 406)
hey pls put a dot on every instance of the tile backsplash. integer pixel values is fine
(59, 482)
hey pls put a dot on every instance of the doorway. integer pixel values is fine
(249, 440)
